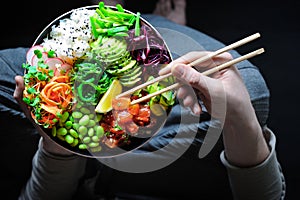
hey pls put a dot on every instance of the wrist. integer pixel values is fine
(244, 142)
(53, 148)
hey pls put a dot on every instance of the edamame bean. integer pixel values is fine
(82, 130)
(91, 116)
(99, 131)
(85, 110)
(95, 138)
(73, 133)
(79, 104)
(53, 131)
(71, 118)
(62, 131)
(76, 126)
(68, 124)
(92, 123)
(96, 149)
(69, 139)
(93, 144)
(86, 140)
(99, 117)
(84, 120)
(62, 138)
(74, 144)
(91, 132)
(82, 146)
(77, 115)
(64, 117)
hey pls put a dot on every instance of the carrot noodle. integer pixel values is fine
(56, 97)
(61, 79)
(51, 109)
(55, 94)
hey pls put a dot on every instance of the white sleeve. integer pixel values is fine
(264, 181)
(53, 176)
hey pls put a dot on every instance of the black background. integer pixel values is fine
(227, 21)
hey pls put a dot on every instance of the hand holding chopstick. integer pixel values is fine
(208, 72)
(196, 62)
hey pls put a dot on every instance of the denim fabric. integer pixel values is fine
(18, 136)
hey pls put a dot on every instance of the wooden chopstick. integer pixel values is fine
(194, 63)
(206, 73)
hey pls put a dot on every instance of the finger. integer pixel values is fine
(188, 98)
(185, 59)
(182, 92)
(209, 62)
(201, 66)
(185, 90)
(211, 90)
(188, 101)
(192, 103)
(196, 108)
(190, 76)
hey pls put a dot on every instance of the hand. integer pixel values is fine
(243, 139)
(48, 144)
(210, 89)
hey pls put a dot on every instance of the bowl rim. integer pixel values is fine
(40, 38)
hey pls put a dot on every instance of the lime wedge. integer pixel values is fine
(105, 103)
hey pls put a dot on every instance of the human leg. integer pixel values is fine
(173, 10)
(17, 133)
(109, 2)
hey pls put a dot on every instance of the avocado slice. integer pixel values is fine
(127, 67)
(119, 71)
(113, 57)
(111, 50)
(130, 83)
(132, 72)
(131, 78)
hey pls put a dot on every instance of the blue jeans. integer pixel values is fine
(18, 136)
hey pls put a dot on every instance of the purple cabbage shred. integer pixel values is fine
(148, 49)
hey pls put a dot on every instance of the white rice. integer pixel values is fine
(71, 37)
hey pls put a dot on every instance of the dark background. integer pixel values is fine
(227, 21)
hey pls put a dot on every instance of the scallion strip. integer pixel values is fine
(137, 24)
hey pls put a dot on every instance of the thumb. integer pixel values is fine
(18, 93)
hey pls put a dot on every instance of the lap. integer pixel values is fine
(17, 133)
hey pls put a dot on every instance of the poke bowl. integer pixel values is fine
(77, 66)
